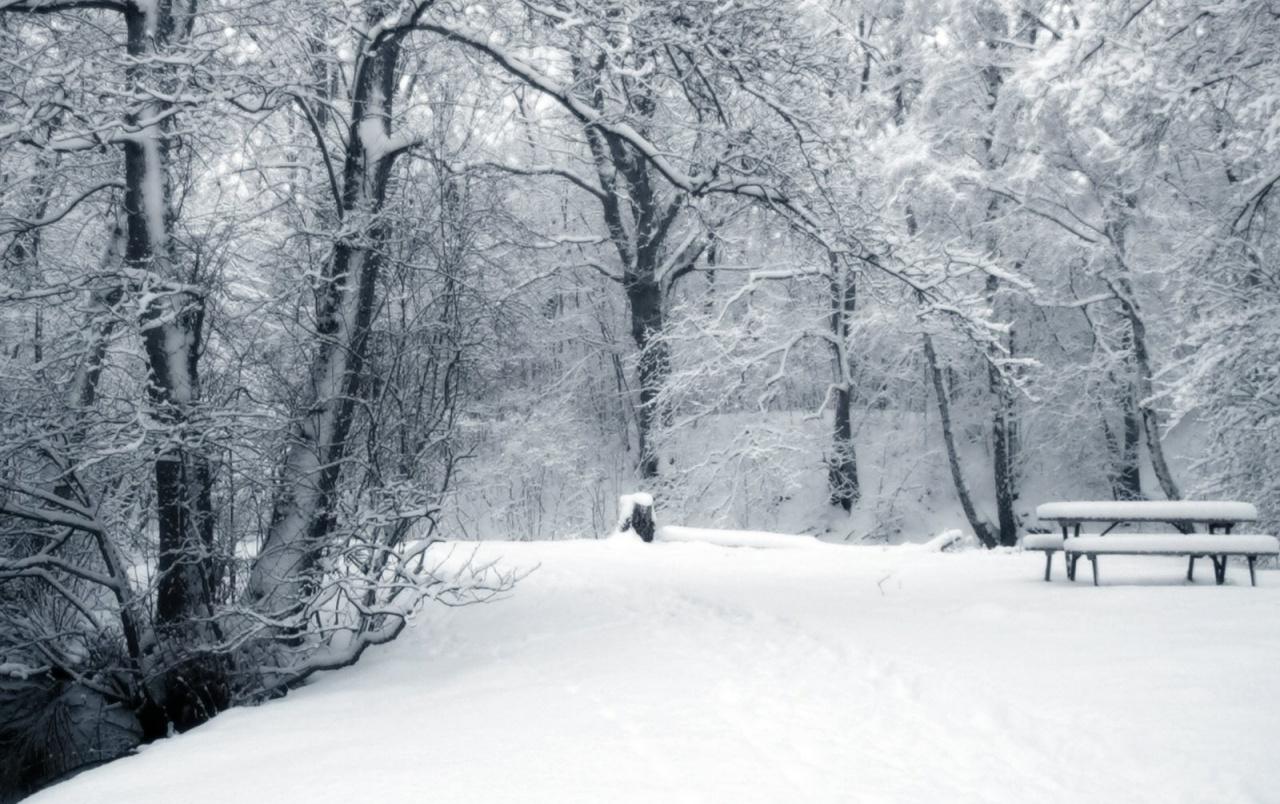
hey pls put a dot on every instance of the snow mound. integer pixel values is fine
(739, 538)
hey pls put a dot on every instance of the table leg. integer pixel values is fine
(1191, 568)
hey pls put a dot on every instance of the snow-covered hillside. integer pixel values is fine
(620, 671)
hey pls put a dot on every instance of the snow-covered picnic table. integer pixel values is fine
(1217, 515)
(1214, 513)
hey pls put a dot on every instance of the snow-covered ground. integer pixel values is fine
(690, 671)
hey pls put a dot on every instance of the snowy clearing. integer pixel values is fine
(685, 671)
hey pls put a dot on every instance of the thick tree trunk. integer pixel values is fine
(1129, 472)
(190, 690)
(980, 527)
(1002, 458)
(303, 518)
(1145, 392)
(1002, 415)
(645, 300)
(1137, 342)
(172, 325)
(1002, 442)
(842, 466)
(639, 223)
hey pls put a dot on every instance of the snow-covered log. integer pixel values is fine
(635, 515)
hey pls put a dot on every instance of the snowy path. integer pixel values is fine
(695, 672)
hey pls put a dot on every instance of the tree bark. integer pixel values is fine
(172, 328)
(1145, 392)
(1129, 476)
(842, 468)
(639, 224)
(980, 527)
(187, 689)
(1122, 287)
(1002, 443)
(1002, 436)
(644, 297)
(304, 517)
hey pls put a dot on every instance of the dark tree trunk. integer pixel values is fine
(1002, 416)
(1002, 457)
(842, 465)
(639, 223)
(645, 299)
(1002, 450)
(980, 527)
(190, 688)
(1150, 418)
(1128, 472)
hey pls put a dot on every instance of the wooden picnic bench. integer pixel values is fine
(1219, 544)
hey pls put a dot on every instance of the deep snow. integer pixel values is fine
(688, 671)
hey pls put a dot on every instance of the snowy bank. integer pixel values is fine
(621, 671)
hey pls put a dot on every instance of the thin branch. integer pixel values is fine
(56, 6)
(14, 225)
(324, 151)
(540, 170)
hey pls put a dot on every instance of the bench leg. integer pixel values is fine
(1253, 581)
(1048, 564)
(1071, 559)
(1219, 569)
(1093, 560)
(1191, 569)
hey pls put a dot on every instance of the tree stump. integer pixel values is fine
(635, 514)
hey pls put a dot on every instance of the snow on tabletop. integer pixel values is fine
(1149, 510)
(691, 672)
(1218, 543)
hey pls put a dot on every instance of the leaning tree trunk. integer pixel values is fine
(1137, 342)
(304, 518)
(842, 466)
(1145, 392)
(980, 527)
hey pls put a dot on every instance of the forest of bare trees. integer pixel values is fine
(291, 291)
